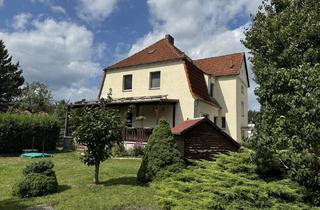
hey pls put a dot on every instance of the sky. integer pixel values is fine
(67, 43)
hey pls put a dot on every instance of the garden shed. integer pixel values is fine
(202, 139)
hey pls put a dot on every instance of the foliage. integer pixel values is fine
(41, 167)
(253, 116)
(60, 110)
(285, 44)
(10, 79)
(35, 97)
(230, 182)
(22, 131)
(118, 150)
(39, 179)
(137, 150)
(161, 155)
(97, 128)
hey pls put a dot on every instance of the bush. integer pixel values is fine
(230, 182)
(118, 150)
(35, 185)
(39, 179)
(42, 167)
(161, 155)
(21, 131)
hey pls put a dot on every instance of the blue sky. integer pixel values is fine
(66, 43)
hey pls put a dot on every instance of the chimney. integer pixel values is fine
(170, 39)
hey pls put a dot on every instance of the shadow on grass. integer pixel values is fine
(126, 180)
(12, 204)
(62, 188)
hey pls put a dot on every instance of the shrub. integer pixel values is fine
(39, 179)
(118, 150)
(230, 182)
(161, 155)
(137, 150)
(35, 185)
(41, 167)
(21, 131)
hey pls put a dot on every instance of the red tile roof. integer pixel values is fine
(222, 65)
(197, 83)
(162, 50)
(185, 125)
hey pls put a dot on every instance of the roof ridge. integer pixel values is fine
(135, 53)
(219, 56)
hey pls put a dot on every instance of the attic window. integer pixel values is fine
(151, 51)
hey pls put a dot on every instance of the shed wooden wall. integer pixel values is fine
(203, 142)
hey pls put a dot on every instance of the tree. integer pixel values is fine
(284, 39)
(98, 128)
(60, 110)
(10, 78)
(161, 154)
(252, 116)
(35, 97)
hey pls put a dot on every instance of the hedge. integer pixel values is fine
(22, 131)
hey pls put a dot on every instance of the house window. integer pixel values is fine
(242, 109)
(211, 89)
(223, 122)
(129, 119)
(215, 119)
(155, 80)
(127, 82)
(242, 89)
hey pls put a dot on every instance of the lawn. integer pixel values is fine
(118, 189)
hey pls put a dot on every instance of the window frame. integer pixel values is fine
(150, 80)
(124, 81)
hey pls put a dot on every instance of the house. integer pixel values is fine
(161, 81)
(202, 139)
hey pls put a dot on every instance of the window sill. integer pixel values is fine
(129, 90)
(156, 88)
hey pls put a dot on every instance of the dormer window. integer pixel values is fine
(211, 90)
(127, 82)
(154, 80)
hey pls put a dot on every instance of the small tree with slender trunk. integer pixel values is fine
(98, 128)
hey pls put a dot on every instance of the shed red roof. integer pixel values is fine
(222, 65)
(185, 125)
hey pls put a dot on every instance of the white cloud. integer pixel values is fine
(200, 28)
(95, 10)
(20, 20)
(57, 9)
(59, 54)
(1, 2)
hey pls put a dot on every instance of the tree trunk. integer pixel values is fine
(96, 173)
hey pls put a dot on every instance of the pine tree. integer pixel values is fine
(10, 78)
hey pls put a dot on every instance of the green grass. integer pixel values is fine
(118, 189)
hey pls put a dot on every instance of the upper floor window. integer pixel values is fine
(215, 120)
(154, 80)
(223, 122)
(127, 82)
(211, 89)
(242, 109)
(242, 89)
